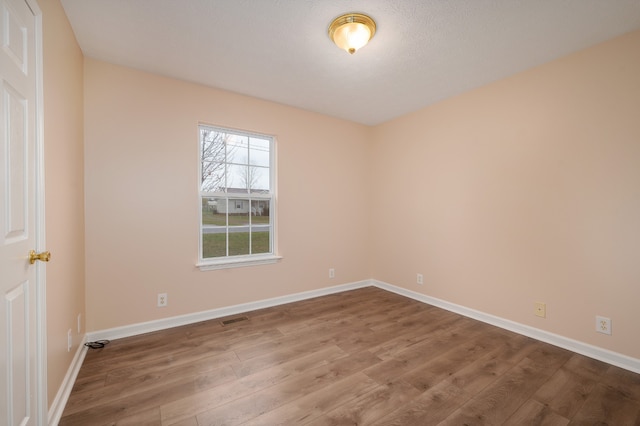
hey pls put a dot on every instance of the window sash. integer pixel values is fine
(240, 248)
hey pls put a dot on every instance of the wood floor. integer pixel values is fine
(363, 357)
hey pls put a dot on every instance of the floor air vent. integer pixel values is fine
(233, 320)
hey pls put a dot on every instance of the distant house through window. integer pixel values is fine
(237, 199)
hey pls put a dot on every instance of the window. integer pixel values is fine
(236, 198)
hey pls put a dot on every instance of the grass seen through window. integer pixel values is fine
(214, 245)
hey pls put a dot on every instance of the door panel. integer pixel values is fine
(13, 117)
(19, 343)
(18, 312)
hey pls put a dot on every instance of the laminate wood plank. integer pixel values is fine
(441, 400)
(589, 367)
(278, 356)
(214, 374)
(371, 406)
(257, 322)
(313, 405)
(399, 314)
(487, 369)
(136, 348)
(534, 413)
(428, 409)
(565, 392)
(345, 302)
(318, 334)
(200, 358)
(495, 404)
(145, 418)
(266, 399)
(87, 383)
(328, 356)
(608, 405)
(330, 315)
(358, 338)
(140, 350)
(185, 407)
(420, 319)
(625, 382)
(119, 408)
(407, 337)
(211, 399)
(239, 338)
(413, 357)
(407, 316)
(109, 367)
(191, 421)
(438, 368)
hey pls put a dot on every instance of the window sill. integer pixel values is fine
(238, 262)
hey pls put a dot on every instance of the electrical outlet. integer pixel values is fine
(419, 279)
(79, 323)
(69, 340)
(162, 300)
(603, 325)
(540, 309)
(332, 273)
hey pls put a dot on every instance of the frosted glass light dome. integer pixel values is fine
(352, 31)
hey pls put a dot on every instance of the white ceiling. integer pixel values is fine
(424, 50)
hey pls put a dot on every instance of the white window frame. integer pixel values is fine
(235, 261)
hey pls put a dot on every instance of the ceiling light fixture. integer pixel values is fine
(352, 31)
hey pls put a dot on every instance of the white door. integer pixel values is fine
(21, 282)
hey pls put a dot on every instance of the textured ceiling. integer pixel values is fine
(423, 51)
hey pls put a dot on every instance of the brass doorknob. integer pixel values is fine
(45, 256)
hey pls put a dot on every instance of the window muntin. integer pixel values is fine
(236, 195)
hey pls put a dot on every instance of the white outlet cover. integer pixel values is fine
(162, 300)
(603, 325)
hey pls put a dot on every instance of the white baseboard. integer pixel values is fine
(604, 355)
(60, 401)
(161, 324)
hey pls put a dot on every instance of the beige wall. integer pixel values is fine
(141, 153)
(524, 190)
(63, 139)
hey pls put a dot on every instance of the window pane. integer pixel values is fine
(212, 156)
(238, 149)
(258, 179)
(214, 227)
(239, 211)
(260, 229)
(214, 211)
(237, 178)
(259, 152)
(260, 241)
(214, 244)
(260, 211)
